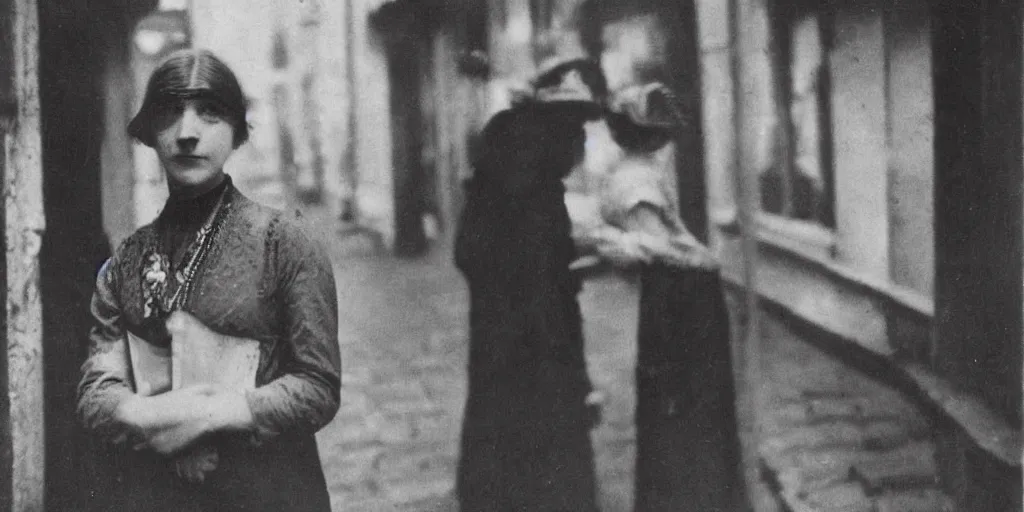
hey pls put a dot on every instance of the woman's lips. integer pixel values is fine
(188, 159)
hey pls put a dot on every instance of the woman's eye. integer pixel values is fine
(165, 113)
(169, 108)
(210, 111)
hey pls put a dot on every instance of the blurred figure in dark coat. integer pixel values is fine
(525, 439)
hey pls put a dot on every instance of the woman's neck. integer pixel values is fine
(184, 192)
(191, 207)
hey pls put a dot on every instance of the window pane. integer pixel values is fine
(806, 177)
(796, 184)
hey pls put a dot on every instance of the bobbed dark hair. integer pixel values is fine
(191, 73)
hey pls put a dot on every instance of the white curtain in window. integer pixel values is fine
(804, 110)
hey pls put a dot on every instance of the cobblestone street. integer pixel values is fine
(394, 444)
(847, 174)
(835, 439)
(831, 439)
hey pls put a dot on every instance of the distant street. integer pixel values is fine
(403, 331)
(394, 444)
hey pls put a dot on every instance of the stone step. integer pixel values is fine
(922, 500)
(810, 408)
(849, 497)
(793, 475)
(804, 467)
(907, 467)
(878, 435)
(846, 497)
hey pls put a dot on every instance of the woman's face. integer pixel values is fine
(193, 138)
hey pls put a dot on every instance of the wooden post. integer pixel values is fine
(8, 114)
(407, 143)
(978, 227)
(22, 383)
(405, 27)
(746, 108)
(350, 157)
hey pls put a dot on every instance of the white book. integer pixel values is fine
(151, 366)
(211, 358)
(197, 355)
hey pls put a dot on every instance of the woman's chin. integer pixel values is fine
(192, 178)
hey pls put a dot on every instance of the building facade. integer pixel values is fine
(828, 164)
(856, 166)
(858, 183)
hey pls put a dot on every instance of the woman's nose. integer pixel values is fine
(188, 127)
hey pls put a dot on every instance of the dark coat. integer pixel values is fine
(265, 279)
(525, 437)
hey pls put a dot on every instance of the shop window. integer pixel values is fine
(542, 13)
(798, 183)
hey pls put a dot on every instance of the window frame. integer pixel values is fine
(816, 234)
(542, 15)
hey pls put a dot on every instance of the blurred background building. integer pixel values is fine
(856, 165)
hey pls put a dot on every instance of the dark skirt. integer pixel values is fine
(282, 475)
(688, 451)
(526, 442)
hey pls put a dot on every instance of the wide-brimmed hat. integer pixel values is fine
(576, 85)
(651, 105)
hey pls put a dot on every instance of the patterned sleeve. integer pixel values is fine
(106, 373)
(307, 394)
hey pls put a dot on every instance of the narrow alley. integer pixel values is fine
(848, 173)
(834, 436)
(831, 436)
(394, 444)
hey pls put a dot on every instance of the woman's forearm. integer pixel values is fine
(172, 421)
(668, 245)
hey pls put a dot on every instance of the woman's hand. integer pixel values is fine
(194, 465)
(688, 252)
(169, 422)
(173, 421)
(622, 249)
(678, 251)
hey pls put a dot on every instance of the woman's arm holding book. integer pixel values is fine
(108, 404)
(307, 396)
(106, 373)
(303, 399)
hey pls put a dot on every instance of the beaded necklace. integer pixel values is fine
(199, 250)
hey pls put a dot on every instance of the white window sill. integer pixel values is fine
(798, 236)
(815, 245)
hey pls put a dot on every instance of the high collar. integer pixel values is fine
(188, 211)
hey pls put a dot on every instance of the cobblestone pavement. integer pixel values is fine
(403, 331)
(394, 444)
(834, 439)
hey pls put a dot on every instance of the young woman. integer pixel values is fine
(214, 264)
(525, 436)
(687, 444)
